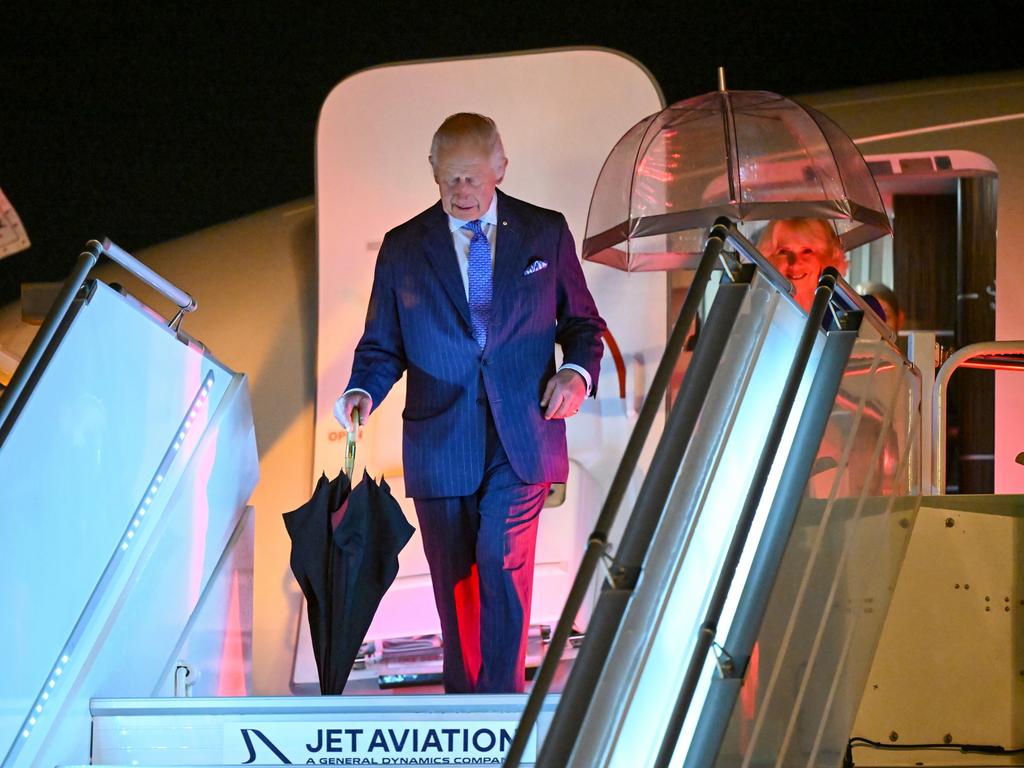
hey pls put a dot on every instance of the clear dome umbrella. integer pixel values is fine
(751, 156)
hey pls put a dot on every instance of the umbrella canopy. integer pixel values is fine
(747, 155)
(345, 545)
(313, 562)
(372, 531)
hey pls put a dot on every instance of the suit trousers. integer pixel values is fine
(480, 549)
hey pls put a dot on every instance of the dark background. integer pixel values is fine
(146, 123)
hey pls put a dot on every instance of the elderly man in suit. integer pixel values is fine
(469, 299)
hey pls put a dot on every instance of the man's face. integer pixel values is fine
(800, 257)
(466, 179)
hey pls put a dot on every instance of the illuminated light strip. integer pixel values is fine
(939, 128)
(199, 401)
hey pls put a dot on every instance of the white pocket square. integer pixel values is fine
(537, 266)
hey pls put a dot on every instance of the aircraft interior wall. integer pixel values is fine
(940, 263)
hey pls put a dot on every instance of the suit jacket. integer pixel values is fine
(418, 321)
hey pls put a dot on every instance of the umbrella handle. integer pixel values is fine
(350, 444)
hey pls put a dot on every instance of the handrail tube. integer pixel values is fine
(956, 360)
(620, 363)
(598, 539)
(822, 297)
(921, 354)
(764, 569)
(636, 539)
(34, 354)
(183, 300)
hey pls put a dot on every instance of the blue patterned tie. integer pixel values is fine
(479, 281)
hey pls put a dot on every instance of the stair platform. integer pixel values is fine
(431, 729)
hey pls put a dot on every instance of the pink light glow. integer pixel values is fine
(192, 381)
(232, 655)
(656, 171)
(748, 698)
(467, 608)
(984, 366)
(200, 506)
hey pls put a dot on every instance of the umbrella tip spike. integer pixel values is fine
(721, 79)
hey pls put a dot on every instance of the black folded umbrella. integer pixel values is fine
(345, 545)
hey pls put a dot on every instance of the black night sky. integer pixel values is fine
(146, 121)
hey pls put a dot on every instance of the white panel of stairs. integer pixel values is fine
(348, 730)
(122, 480)
(216, 644)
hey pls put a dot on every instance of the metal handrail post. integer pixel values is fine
(921, 352)
(709, 628)
(957, 359)
(598, 540)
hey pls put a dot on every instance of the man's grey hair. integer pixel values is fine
(467, 128)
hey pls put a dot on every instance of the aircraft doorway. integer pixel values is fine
(941, 264)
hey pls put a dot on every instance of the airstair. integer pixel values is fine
(127, 456)
(742, 609)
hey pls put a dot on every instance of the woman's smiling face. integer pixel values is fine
(800, 254)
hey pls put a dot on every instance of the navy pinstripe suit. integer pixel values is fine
(469, 412)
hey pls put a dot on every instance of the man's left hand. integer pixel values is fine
(563, 395)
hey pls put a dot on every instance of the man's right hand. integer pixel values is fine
(349, 402)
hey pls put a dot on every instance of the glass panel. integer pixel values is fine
(659, 631)
(828, 604)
